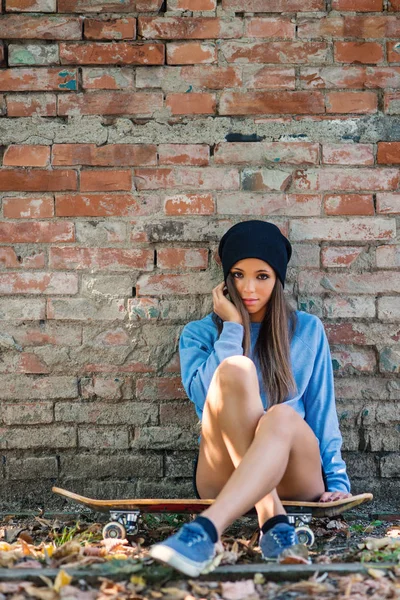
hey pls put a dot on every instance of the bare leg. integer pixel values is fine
(231, 414)
(259, 457)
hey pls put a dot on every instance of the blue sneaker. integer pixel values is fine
(282, 541)
(189, 551)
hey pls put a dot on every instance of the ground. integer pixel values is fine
(38, 555)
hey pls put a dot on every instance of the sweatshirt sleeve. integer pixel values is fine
(321, 415)
(199, 358)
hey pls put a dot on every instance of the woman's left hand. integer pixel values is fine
(332, 496)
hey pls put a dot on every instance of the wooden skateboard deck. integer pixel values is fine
(192, 506)
(125, 514)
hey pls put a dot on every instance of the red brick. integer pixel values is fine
(101, 6)
(210, 77)
(110, 29)
(388, 256)
(264, 78)
(350, 77)
(161, 388)
(391, 103)
(40, 28)
(339, 256)
(41, 105)
(361, 230)
(245, 203)
(357, 5)
(37, 180)
(256, 103)
(110, 103)
(325, 27)
(358, 52)
(331, 179)
(195, 103)
(199, 77)
(86, 309)
(26, 156)
(275, 52)
(206, 178)
(42, 232)
(351, 102)
(37, 79)
(191, 53)
(1, 53)
(347, 361)
(270, 27)
(182, 258)
(388, 153)
(192, 5)
(38, 283)
(184, 154)
(98, 78)
(30, 363)
(100, 205)
(259, 153)
(388, 204)
(36, 6)
(348, 154)
(117, 259)
(41, 207)
(274, 5)
(382, 282)
(111, 53)
(180, 285)
(47, 334)
(118, 155)
(107, 181)
(183, 28)
(189, 204)
(349, 204)
(10, 260)
(394, 5)
(359, 26)
(110, 336)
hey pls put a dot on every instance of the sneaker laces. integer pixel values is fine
(190, 535)
(285, 537)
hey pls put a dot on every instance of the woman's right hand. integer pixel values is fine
(223, 307)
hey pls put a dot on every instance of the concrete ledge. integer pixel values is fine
(271, 572)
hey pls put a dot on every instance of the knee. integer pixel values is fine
(236, 371)
(281, 416)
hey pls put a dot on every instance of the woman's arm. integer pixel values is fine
(321, 415)
(199, 358)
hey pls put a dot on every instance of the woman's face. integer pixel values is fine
(254, 280)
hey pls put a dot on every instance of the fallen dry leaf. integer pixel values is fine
(62, 579)
(237, 590)
(376, 573)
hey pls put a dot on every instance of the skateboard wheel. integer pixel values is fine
(305, 536)
(114, 530)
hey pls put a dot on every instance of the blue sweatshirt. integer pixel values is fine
(201, 351)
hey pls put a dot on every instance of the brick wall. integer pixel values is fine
(133, 134)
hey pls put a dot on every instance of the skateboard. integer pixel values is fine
(125, 514)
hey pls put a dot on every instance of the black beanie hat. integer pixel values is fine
(255, 239)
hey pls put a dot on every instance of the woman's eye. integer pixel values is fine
(264, 276)
(236, 274)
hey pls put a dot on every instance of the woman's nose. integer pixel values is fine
(249, 285)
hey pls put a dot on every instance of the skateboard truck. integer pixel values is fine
(300, 521)
(122, 524)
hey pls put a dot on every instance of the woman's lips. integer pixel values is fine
(250, 300)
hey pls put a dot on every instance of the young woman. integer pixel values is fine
(260, 376)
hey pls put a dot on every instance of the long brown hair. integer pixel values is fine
(272, 348)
